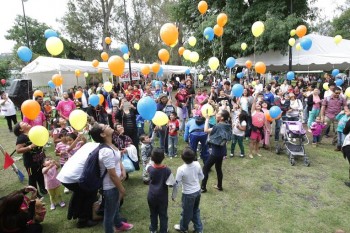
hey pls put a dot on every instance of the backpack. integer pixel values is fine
(91, 179)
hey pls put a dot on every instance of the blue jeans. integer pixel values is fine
(191, 211)
(236, 139)
(158, 208)
(195, 138)
(111, 210)
(316, 139)
(163, 140)
(277, 129)
(341, 137)
(172, 145)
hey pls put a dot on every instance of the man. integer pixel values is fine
(258, 87)
(65, 106)
(191, 93)
(162, 130)
(268, 96)
(227, 89)
(84, 100)
(40, 119)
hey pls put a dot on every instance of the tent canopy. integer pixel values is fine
(324, 55)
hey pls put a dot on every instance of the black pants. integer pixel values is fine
(158, 208)
(11, 119)
(81, 201)
(33, 228)
(216, 157)
(36, 177)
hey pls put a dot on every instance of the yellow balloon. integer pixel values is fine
(200, 77)
(347, 92)
(298, 47)
(186, 54)
(126, 56)
(291, 42)
(244, 46)
(54, 45)
(86, 74)
(325, 86)
(78, 119)
(253, 83)
(160, 118)
(213, 63)
(38, 135)
(192, 41)
(338, 39)
(108, 86)
(207, 110)
(194, 57)
(292, 32)
(258, 28)
(136, 46)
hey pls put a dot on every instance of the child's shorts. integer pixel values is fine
(255, 135)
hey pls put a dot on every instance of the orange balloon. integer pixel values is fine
(218, 30)
(260, 67)
(116, 65)
(95, 63)
(104, 56)
(164, 55)
(221, 19)
(202, 7)
(169, 34)
(30, 109)
(145, 70)
(99, 70)
(248, 64)
(108, 40)
(268, 116)
(155, 67)
(77, 72)
(181, 51)
(102, 98)
(38, 93)
(78, 94)
(301, 31)
(57, 79)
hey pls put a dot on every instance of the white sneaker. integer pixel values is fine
(231, 155)
(52, 207)
(177, 227)
(66, 190)
(242, 156)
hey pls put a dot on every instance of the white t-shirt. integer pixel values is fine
(7, 107)
(108, 159)
(72, 169)
(237, 131)
(84, 101)
(190, 175)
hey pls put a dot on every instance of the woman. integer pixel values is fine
(219, 135)
(8, 109)
(17, 212)
(284, 87)
(115, 106)
(245, 103)
(313, 106)
(62, 125)
(294, 108)
(32, 156)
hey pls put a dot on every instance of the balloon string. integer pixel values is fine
(254, 49)
(203, 35)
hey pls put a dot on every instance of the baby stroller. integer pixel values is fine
(294, 140)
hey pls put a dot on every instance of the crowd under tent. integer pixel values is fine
(41, 70)
(324, 55)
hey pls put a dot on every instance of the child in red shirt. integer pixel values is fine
(173, 127)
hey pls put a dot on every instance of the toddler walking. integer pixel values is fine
(316, 130)
(173, 139)
(146, 150)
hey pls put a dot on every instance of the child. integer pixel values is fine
(52, 185)
(238, 129)
(140, 123)
(189, 174)
(75, 142)
(342, 118)
(196, 111)
(146, 150)
(316, 129)
(48, 113)
(160, 177)
(173, 126)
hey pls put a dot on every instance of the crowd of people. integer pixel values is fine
(117, 124)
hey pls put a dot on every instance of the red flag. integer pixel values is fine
(8, 161)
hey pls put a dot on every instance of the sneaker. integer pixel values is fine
(241, 156)
(203, 190)
(62, 204)
(251, 156)
(52, 207)
(175, 156)
(259, 155)
(231, 155)
(216, 187)
(125, 227)
(177, 227)
(66, 190)
(171, 157)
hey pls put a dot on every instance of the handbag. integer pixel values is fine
(128, 164)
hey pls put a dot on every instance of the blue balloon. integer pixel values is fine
(124, 48)
(240, 75)
(339, 82)
(159, 83)
(187, 71)
(208, 33)
(50, 33)
(306, 43)
(230, 62)
(147, 108)
(160, 72)
(94, 100)
(290, 75)
(154, 83)
(24, 53)
(335, 72)
(237, 90)
(275, 111)
(51, 84)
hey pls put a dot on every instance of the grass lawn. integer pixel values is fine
(264, 194)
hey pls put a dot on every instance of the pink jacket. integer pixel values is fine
(316, 128)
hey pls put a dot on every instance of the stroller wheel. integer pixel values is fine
(292, 162)
(307, 163)
(278, 150)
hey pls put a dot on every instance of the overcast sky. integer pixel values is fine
(47, 11)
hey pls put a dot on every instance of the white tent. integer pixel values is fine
(41, 70)
(324, 55)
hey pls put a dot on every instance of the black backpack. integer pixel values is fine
(91, 179)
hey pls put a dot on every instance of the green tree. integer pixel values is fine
(341, 25)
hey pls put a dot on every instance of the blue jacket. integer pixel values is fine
(193, 124)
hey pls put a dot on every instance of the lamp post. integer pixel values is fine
(290, 47)
(25, 22)
(127, 40)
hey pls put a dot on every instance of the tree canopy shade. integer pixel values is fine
(341, 25)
